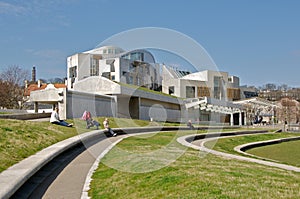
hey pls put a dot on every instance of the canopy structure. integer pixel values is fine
(216, 106)
(213, 105)
(257, 107)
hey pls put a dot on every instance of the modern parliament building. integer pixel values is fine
(109, 81)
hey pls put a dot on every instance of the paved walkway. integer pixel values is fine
(66, 176)
(199, 145)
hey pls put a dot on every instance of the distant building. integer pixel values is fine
(248, 92)
(212, 84)
(276, 95)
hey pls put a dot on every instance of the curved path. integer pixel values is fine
(63, 169)
(60, 170)
(198, 142)
(65, 176)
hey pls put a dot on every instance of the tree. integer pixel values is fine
(12, 86)
(288, 110)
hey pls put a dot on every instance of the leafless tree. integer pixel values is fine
(12, 86)
(288, 111)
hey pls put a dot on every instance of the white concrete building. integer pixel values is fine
(136, 67)
(213, 84)
(109, 81)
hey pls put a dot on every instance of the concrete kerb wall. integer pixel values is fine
(187, 141)
(15, 176)
(25, 116)
(243, 148)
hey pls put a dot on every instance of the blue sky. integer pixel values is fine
(259, 41)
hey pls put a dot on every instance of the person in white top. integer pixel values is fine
(55, 119)
(107, 128)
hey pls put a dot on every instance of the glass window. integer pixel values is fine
(94, 68)
(190, 92)
(218, 87)
(73, 72)
(171, 90)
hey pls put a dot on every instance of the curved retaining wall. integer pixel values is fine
(252, 145)
(25, 116)
(15, 176)
(187, 141)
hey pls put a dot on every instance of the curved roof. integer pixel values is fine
(112, 50)
(139, 50)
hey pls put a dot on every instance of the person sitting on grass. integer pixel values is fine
(107, 128)
(55, 119)
(190, 125)
(90, 122)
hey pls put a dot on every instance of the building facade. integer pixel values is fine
(136, 67)
(213, 84)
(109, 81)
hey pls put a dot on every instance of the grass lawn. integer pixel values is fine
(228, 144)
(286, 152)
(4, 113)
(20, 139)
(188, 173)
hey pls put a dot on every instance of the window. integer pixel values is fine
(171, 90)
(94, 67)
(111, 63)
(73, 72)
(190, 92)
(218, 87)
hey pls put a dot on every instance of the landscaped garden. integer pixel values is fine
(193, 175)
(189, 174)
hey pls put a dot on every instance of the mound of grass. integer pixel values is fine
(285, 152)
(20, 139)
(192, 175)
(228, 144)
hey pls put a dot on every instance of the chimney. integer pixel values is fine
(33, 74)
(39, 83)
(26, 83)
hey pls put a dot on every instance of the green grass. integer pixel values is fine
(20, 139)
(190, 174)
(285, 152)
(4, 113)
(228, 144)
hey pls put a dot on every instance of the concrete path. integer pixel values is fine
(200, 145)
(66, 176)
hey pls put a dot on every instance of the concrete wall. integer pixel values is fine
(97, 85)
(25, 116)
(158, 113)
(98, 105)
(159, 110)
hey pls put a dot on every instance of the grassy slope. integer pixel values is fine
(193, 175)
(228, 144)
(20, 139)
(286, 152)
